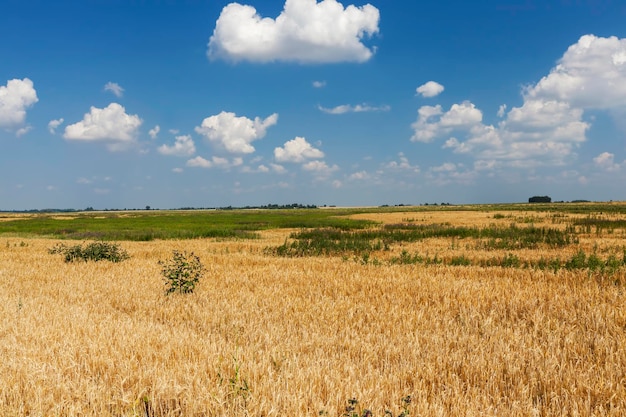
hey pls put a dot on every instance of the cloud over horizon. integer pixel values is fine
(549, 126)
(110, 125)
(183, 146)
(297, 150)
(15, 98)
(305, 31)
(235, 134)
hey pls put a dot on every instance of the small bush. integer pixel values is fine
(182, 272)
(94, 251)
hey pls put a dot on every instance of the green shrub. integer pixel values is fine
(460, 261)
(181, 272)
(94, 251)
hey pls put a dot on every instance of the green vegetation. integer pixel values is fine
(151, 225)
(579, 261)
(330, 241)
(94, 251)
(181, 272)
(239, 223)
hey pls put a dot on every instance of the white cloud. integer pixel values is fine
(359, 176)
(23, 130)
(445, 167)
(260, 169)
(214, 162)
(54, 124)
(114, 88)
(183, 146)
(154, 132)
(15, 98)
(111, 125)
(305, 31)
(177, 170)
(606, 162)
(319, 84)
(449, 172)
(199, 162)
(432, 122)
(279, 169)
(359, 108)
(462, 115)
(220, 162)
(549, 126)
(541, 116)
(319, 167)
(297, 150)
(591, 74)
(537, 133)
(234, 134)
(402, 165)
(430, 89)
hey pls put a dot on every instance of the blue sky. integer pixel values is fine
(128, 103)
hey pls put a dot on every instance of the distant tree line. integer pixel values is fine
(540, 199)
(268, 206)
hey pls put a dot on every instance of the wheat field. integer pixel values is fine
(269, 336)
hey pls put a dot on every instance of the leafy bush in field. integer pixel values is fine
(94, 251)
(181, 272)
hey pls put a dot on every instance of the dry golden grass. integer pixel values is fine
(268, 336)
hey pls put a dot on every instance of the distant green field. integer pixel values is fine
(191, 224)
(150, 225)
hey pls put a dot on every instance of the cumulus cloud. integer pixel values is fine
(235, 134)
(320, 168)
(183, 146)
(359, 108)
(359, 176)
(214, 162)
(606, 162)
(433, 122)
(154, 132)
(23, 130)
(319, 84)
(111, 125)
(279, 169)
(549, 126)
(54, 124)
(199, 162)
(591, 74)
(449, 172)
(114, 88)
(305, 31)
(297, 150)
(430, 89)
(402, 164)
(15, 98)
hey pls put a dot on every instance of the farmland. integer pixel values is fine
(473, 310)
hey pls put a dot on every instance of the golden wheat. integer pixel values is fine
(269, 336)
